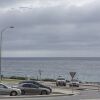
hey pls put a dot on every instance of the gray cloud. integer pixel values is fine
(58, 28)
(4, 3)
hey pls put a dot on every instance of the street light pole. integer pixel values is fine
(3, 30)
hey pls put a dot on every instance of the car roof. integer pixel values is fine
(3, 84)
(28, 83)
(33, 82)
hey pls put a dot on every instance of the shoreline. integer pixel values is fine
(19, 78)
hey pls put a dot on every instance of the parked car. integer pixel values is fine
(32, 89)
(74, 83)
(6, 90)
(60, 81)
(36, 83)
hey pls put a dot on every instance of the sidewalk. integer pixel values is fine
(89, 99)
(64, 91)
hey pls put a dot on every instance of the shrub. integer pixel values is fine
(18, 77)
(51, 80)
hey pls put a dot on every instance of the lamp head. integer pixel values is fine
(11, 27)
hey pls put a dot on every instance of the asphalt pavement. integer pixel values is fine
(84, 95)
(84, 92)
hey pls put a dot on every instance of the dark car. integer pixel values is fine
(32, 89)
(36, 83)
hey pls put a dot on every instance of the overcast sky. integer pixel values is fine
(50, 28)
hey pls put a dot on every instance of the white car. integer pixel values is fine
(74, 83)
(60, 81)
(6, 90)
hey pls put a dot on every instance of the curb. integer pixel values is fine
(35, 96)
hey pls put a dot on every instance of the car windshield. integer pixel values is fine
(61, 79)
(4, 86)
(74, 80)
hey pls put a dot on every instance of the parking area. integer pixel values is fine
(57, 90)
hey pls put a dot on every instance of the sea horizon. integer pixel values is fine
(87, 68)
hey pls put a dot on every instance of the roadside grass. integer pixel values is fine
(17, 79)
(14, 81)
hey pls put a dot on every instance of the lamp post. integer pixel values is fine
(1, 38)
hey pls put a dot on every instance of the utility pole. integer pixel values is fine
(1, 39)
(40, 73)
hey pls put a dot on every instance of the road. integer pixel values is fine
(84, 95)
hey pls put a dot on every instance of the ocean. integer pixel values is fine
(86, 68)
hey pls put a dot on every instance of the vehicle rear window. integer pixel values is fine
(61, 79)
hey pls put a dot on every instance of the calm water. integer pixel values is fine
(88, 69)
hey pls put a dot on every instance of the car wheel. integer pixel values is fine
(43, 92)
(13, 93)
(64, 84)
(70, 85)
(22, 92)
(56, 84)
